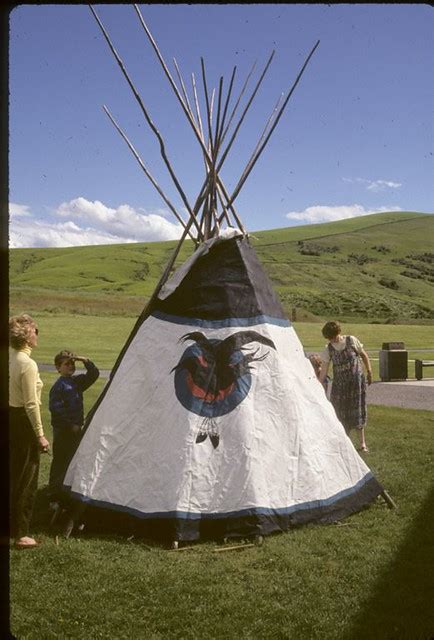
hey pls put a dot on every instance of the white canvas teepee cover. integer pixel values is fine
(213, 419)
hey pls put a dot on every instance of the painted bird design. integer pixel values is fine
(214, 372)
(212, 376)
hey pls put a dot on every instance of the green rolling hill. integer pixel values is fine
(376, 267)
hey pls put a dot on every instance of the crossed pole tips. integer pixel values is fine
(211, 125)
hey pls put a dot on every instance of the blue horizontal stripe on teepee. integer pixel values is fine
(221, 324)
(255, 511)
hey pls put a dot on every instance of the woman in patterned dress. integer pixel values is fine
(348, 394)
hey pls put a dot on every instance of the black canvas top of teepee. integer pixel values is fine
(227, 282)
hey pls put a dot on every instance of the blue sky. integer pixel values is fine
(356, 137)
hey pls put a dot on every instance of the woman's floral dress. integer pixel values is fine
(348, 394)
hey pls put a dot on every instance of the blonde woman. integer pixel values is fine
(26, 434)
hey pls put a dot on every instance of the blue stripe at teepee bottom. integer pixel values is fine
(253, 522)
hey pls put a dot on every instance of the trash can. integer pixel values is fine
(393, 361)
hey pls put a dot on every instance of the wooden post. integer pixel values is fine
(237, 547)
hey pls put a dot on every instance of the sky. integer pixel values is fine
(356, 137)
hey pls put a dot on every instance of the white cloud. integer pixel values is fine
(64, 234)
(324, 213)
(374, 185)
(124, 222)
(16, 210)
(88, 223)
(382, 185)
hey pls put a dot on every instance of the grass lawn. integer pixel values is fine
(371, 578)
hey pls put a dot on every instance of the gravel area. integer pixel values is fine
(408, 394)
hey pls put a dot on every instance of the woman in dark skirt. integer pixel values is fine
(26, 434)
(348, 394)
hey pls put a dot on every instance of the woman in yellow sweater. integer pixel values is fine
(26, 435)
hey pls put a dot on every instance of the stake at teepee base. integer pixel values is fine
(388, 500)
(213, 424)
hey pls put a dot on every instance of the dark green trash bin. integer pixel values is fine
(393, 361)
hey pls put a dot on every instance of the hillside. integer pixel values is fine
(375, 267)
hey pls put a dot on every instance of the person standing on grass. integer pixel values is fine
(26, 433)
(348, 394)
(67, 417)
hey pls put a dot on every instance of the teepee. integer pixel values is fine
(213, 422)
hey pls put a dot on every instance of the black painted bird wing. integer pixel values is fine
(206, 346)
(237, 340)
(199, 337)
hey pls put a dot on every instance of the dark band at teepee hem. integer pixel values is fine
(220, 324)
(342, 503)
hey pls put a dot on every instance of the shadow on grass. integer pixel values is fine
(401, 605)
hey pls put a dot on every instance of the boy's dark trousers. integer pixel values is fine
(24, 458)
(65, 443)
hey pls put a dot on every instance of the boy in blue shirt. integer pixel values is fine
(67, 416)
